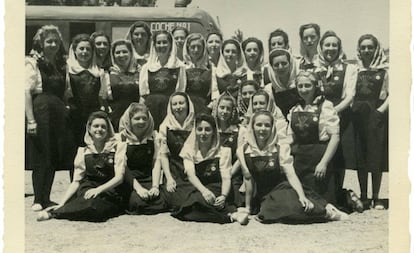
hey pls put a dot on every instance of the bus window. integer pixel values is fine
(78, 27)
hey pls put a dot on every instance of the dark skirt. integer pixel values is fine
(157, 104)
(370, 132)
(305, 160)
(106, 205)
(236, 197)
(137, 205)
(195, 208)
(282, 205)
(344, 158)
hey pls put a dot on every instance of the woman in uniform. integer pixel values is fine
(124, 80)
(143, 173)
(214, 41)
(139, 34)
(309, 38)
(95, 193)
(49, 141)
(198, 76)
(268, 167)
(253, 53)
(370, 116)
(102, 44)
(163, 74)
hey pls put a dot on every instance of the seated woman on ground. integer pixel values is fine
(95, 193)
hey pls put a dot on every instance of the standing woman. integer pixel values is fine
(267, 166)
(49, 145)
(179, 34)
(207, 166)
(95, 193)
(198, 75)
(86, 89)
(143, 171)
(370, 116)
(279, 79)
(139, 34)
(174, 130)
(309, 37)
(124, 85)
(253, 52)
(278, 39)
(102, 44)
(163, 74)
(214, 41)
(314, 126)
(247, 89)
(231, 68)
(338, 86)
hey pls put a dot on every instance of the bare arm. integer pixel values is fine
(320, 170)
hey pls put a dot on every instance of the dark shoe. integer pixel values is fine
(49, 204)
(366, 203)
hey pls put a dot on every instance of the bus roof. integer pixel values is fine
(93, 13)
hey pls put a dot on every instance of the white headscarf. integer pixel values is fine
(276, 83)
(125, 126)
(203, 61)
(153, 64)
(171, 122)
(322, 64)
(191, 150)
(379, 61)
(251, 138)
(129, 37)
(110, 142)
(131, 65)
(223, 69)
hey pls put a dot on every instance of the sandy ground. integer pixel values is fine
(366, 232)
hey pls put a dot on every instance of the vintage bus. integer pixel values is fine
(113, 21)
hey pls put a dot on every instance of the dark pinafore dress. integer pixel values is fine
(139, 167)
(198, 88)
(229, 140)
(195, 208)
(370, 126)
(275, 199)
(52, 148)
(332, 90)
(175, 141)
(286, 99)
(125, 90)
(108, 204)
(162, 84)
(85, 88)
(308, 151)
(307, 66)
(230, 84)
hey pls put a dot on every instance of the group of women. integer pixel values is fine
(201, 127)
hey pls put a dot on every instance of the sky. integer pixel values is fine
(348, 18)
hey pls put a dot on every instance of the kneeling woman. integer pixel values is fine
(93, 194)
(266, 163)
(136, 128)
(207, 166)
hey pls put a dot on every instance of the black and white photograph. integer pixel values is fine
(208, 126)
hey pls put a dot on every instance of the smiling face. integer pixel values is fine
(83, 53)
(179, 106)
(204, 133)
(122, 56)
(277, 42)
(262, 127)
(259, 102)
(230, 53)
(252, 52)
(224, 110)
(179, 37)
(306, 88)
(310, 37)
(214, 44)
(102, 46)
(367, 50)
(330, 48)
(195, 49)
(51, 44)
(139, 123)
(98, 129)
(139, 37)
(280, 64)
(162, 44)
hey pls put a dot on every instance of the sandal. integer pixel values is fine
(357, 204)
